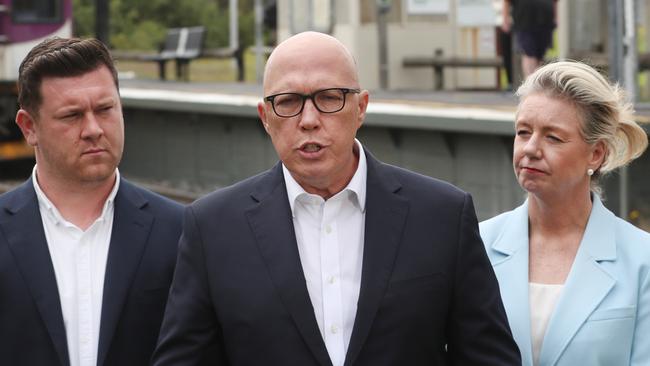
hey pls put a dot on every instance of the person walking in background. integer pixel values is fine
(331, 257)
(504, 43)
(86, 258)
(575, 279)
(534, 22)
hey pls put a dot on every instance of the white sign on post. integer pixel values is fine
(475, 13)
(427, 6)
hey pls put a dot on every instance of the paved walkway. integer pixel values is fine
(493, 99)
(497, 101)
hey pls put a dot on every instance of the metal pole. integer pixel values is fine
(102, 21)
(292, 25)
(259, 52)
(629, 74)
(614, 43)
(237, 62)
(332, 16)
(616, 50)
(630, 57)
(383, 7)
(234, 24)
(310, 14)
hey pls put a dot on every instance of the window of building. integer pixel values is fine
(36, 11)
(369, 11)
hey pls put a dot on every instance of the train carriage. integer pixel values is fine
(23, 24)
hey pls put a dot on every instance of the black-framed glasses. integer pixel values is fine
(329, 100)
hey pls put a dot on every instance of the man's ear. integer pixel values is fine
(261, 112)
(26, 122)
(363, 106)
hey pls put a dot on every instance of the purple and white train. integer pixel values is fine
(23, 24)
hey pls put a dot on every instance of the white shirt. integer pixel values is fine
(542, 299)
(79, 260)
(330, 243)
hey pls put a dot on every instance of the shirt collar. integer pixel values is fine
(45, 203)
(356, 186)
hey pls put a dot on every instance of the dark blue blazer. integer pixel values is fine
(428, 294)
(139, 269)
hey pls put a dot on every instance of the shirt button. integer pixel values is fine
(331, 279)
(328, 229)
(334, 329)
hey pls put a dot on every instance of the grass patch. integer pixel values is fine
(201, 69)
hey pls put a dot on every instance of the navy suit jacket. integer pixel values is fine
(428, 294)
(139, 269)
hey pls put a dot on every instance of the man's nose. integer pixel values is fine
(91, 127)
(310, 116)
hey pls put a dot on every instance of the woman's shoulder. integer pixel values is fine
(632, 236)
(625, 233)
(494, 225)
(631, 244)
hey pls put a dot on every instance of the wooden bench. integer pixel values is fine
(229, 52)
(600, 60)
(181, 45)
(438, 62)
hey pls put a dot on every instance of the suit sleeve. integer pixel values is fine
(190, 333)
(479, 333)
(640, 349)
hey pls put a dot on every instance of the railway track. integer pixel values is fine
(13, 175)
(171, 193)
(13, 172)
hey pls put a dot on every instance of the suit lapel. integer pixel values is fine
(586, 285)
(30, 250)
(512, 271)
(131, 226)
(385, 217)
(272, 225)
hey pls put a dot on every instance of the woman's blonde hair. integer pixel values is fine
(606, 113)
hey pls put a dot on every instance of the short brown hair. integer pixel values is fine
(59, 57)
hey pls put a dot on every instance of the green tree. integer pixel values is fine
(141, 25)
(83, 18)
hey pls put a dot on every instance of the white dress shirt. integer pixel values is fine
(330, 243)
(543, 298)
(79, 260)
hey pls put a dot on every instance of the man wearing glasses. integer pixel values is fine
(331, 257)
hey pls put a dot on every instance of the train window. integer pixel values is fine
(36, 11)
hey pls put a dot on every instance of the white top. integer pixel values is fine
(330, 243)
(542, 299)
(79, 260)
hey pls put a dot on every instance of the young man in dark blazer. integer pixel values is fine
(331, 257)
(86, 258)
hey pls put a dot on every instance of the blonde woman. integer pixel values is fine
(574, 278)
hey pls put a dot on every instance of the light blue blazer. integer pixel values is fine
(603, 314)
